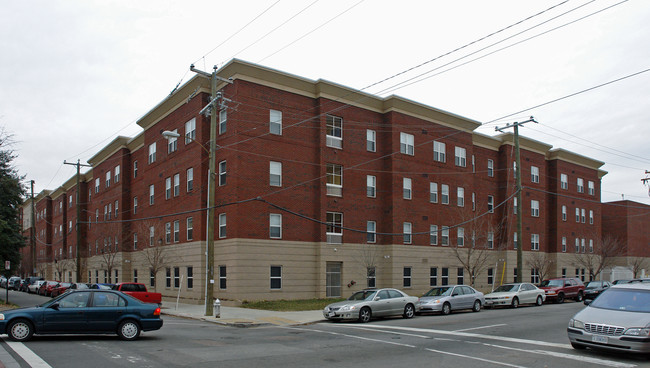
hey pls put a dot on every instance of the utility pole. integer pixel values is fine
(520, 243)
(78, 230)
(646, 180)
(32, 233)
(209, 241)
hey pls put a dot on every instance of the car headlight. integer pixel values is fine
(346, 308)
(576, 324)
(2, 317)
(638, 331)
(550, 292)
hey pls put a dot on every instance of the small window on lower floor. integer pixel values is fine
(276, 277)
(222, 277)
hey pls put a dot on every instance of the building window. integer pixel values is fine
(490, 240)
(96, 188)
(168, 277)
(577, 214)
(152, 152)
(276, 277)
(371, 140)
(190, 179)
(433, 276)
(444, 236)
(334, 126)
(168, 188)
(460, 195)
(461, 275)
(591, 217)
(582, 242)
(152, 278)
(577, 245)
(433, 192)
(108, 179)
(116, 176)
(190, 228)
(222, 225)
(190, 131)
(515, 240)
(461, 236)
(564, 181)
(406, 185)
(172, 142)
(534, 242)
(534, 208)
(407, 277)
(223, 120)
(371, 230)
(444, 194)
(490, 204)
(222, 173)
(490, 276)
(135, 169)
(334, 179)
(407, 144)
(222, 277)
(515, 206)
(371, 186)
(151, 235)
(371, 278)
(563, 213)
(190, 277)
(177, 231)
(591, 245)
(534, 276)
(177, 185)
(591, 188)
(275, 226)
(564, 244)
(151, 194)
(168, 232)
(117, 211)
(135, 205)
(473, 201)
(433, 234)
(135, 241)
(563, 272)
(334, 229)
(407, 228)
(582, 216)
(177, 277)
(275, 174)
(135, 276)
(490, 168)
(439, 151)
(444, 279)
(461, 157)
(581, 185)
(275, 122)
(534, 174)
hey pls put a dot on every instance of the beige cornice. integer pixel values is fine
(110, 149)
(525, 143)
(574, 158)
(136, 142)
(486, 141)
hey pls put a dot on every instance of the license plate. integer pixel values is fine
(599, 339)
(331, 314)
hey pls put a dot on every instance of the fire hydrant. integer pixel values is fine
(217, 308)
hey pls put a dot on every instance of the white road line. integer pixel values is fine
(29, 356)
(480, 327)
(357, 337)
(585, 359)
(475, 358)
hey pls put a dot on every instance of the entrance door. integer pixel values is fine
(333, 279)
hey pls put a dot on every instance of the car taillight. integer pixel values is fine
(156, 312)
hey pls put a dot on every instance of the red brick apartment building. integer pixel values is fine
(320, 190)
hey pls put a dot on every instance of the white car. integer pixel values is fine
(33, 288)
(366, 304)
(512, 295)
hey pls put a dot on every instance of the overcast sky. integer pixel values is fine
(75, 74)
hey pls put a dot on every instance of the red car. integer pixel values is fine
(46, 288)
(60, 288)
(559, 289)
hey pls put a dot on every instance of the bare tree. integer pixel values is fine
(602, 256)
(637, 264)
(475, 254)
(368, 255)
(109, 233)
(155, 254)
(542, 263)
(61, 266)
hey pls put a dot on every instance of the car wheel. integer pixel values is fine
(579, 297)
(578, 346)
(20, 330)
(446, 309)
(539, 301)
(560, 298)
(409, 311)
(515, 302)
(364, 315)
(128, 330)
(477, 306)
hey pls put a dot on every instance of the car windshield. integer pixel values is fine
(552, 283)
(363, 295)
(439, 291)
(629, 300)
(506, 288)
(594, 285)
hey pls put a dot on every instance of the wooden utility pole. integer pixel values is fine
(78, 197)
(32, 232)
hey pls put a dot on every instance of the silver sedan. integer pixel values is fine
(366, 304)
(445, 299)
(512, 295)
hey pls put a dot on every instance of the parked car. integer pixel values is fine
(618, 319)
(559, 289)
(366, 304)
(445, 299)
(3, 282)
(83, 312)
(59, 289)
(139, 291)
(34, 287)
(102, 286)
(513, 295)
(79, 285)
(14, 282)
(23, 285)
(46, 287)
(594, 288)
(30, 280)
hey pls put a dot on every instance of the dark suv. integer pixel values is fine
(559, 289)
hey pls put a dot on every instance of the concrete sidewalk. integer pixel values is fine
(243, 317)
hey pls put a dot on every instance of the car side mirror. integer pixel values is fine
(54, 306)
(377, 298)
(587, 301)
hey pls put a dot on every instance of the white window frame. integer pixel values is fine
(275, 174)
(490, 168)
(407, 143)
(172, 142)
(190, 131)
(407, 188)
(581, 185)
(433, 235)
(534, 241)
(177, 185)
(534, 208)
(190, 179)
(223, 121)
(444, 193)
(223, 173)
(460, 236)
(444, 236)
(591, 217)
(564, 181)
(564, 213)
(371, 186)
(275, 122)
(591, 188)
(116, 176)
(534, 174)
(334, 131)
(334, 172)
(152, 153)
(334, 228)
(371, 232)
(222, 226)
(407, 229)
(152, 192)
(433, 192)
(490, 204)
(564, 244)
(371, 140)
(460, 156)
(439, 151)
(275, 226)
(460, 196)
